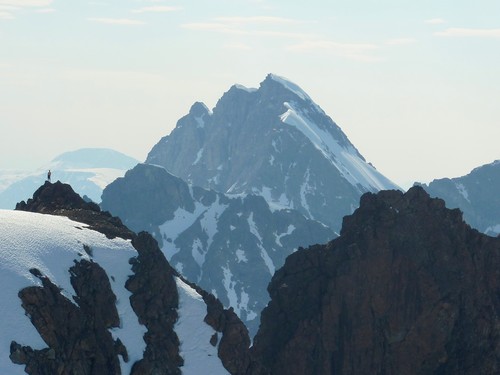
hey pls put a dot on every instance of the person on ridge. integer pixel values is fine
(49, 174)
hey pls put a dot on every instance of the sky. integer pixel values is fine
(415, 85)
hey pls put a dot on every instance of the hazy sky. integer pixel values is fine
(415, 85)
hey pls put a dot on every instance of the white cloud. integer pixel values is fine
(465, 32)
(208, 26)
(6, 15)
(352, 51)
(230, 29)
(46, 10)
(238, 46)
(26, 3)
(9, 7)
(257, 20)
(400, 41)
(157, 9)
(435, 21)
(116, 21)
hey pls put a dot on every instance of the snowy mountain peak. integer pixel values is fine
(199, 109)
(276, 142)
(287, 84)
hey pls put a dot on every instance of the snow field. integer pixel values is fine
(200, 357)
(51, 244)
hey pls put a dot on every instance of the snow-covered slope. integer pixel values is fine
(88, 170)
(51, 245)
(273, 141)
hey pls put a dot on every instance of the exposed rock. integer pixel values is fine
(60, 199)
(78, 339)
(273, 141)
(155, 301)
(408, 288)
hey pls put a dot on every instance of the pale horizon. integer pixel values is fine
(414, 86)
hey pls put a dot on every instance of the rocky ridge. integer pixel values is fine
(273, 141)
(407, 288)
(77, 333)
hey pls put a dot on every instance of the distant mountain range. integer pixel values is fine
(273, 141)
(264, 173)
(88, 171)
(476, 194)
(229, 245)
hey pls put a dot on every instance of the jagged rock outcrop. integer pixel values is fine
(407, 288)
(476, 194)
(155, 301)
(60, 199)
(273, 141)
(87, 170)
(78, 339)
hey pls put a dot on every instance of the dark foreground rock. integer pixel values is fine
(60, 199)
(408, 288)
(78, 338)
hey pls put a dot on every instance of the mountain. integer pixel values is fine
(229, 245)
(476, 194)
(273, 141)
(407, 288)
(88, 170)
(91, 297)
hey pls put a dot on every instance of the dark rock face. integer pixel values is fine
(155, 300)
(476, 194)
(60, 199)
(260, 142)
(408, 288)
(78, 338)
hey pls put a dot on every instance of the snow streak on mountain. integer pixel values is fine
(273, 141)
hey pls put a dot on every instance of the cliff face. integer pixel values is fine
(82, 330)
(408, 288)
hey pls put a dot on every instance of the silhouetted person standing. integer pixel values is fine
(49, 175)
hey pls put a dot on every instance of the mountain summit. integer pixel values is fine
(273, 141)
